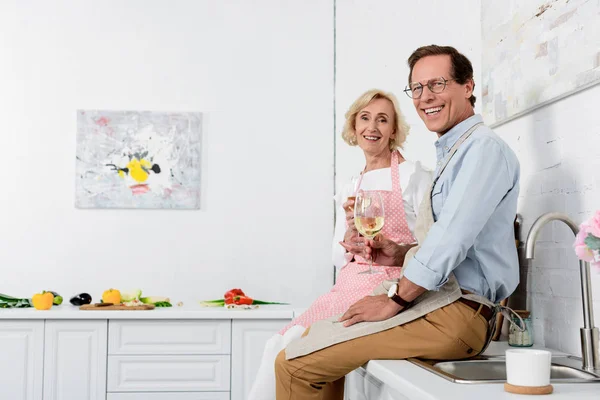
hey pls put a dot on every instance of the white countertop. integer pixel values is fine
(417, 383)
(67, 311)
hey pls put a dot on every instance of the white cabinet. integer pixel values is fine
(169, 396)
(360, 385)
(168, 373)
(247, 345)
(189, 358)
(75, 360)
(169, 337)
(22, 355)
(169, 356)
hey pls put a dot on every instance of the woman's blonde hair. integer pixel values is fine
(401, 128)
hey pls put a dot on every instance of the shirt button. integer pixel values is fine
(439, 163)
(446, 148)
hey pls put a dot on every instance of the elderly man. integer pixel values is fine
(465, 261)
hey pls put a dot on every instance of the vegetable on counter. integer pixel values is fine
(158, 301)
(111, 296)
(131, 297)
(235, 297)
(42, 301)
(58, 299)
(134, 298)
(7, 301)
(81, 299)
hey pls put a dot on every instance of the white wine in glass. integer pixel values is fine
(369, 227)
(369, 218)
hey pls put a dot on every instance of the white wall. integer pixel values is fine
(261, 71)
(373, 42)
(559, 150)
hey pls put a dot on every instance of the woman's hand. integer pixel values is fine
(353, 242)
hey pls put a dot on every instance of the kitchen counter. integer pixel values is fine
(174, 353)
(414, 382)
(67, 311)
(409, 381)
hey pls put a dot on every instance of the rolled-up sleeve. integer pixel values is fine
(477, 188)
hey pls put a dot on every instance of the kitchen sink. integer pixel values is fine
(564, 369)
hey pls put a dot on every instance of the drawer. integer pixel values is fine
(156, 337)
(168, 373)
(169, 396)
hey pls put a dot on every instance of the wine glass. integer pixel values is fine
(369, 218)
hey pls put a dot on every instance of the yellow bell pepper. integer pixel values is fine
(42, 301)
(111, 296)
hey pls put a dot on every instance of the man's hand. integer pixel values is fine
(385, 251)
(370, 309)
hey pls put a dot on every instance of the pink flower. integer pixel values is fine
(582, 234)
(584, 253)
(594, 224)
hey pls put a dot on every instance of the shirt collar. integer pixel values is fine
(449, 138)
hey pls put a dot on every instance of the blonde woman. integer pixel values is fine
(374, 124)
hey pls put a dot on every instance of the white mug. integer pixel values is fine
(528, 367)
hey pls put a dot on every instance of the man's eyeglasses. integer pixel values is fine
(437, 85)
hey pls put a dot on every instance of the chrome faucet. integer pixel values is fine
(590, 343)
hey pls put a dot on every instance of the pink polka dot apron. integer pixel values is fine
(350, 285)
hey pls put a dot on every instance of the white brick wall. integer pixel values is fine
(559, 150)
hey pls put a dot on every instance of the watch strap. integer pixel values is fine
(401, 302)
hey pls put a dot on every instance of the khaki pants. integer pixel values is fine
(453, 332)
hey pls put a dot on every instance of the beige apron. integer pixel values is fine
(328, 332)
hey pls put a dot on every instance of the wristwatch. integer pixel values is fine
(393, 294)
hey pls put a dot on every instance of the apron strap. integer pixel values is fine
(496, 308)
(395, 173)
(453, 150)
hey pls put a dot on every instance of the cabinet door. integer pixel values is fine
(22, 350)
(75, 360)
(168, 373)
(154, 337)
(362, 386)
(169, 396)
(248, 340)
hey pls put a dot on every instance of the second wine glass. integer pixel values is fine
(369, 218)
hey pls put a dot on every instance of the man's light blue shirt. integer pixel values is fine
(474, 206)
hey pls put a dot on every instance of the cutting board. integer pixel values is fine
(104, 307)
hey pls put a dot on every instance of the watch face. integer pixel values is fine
(393, 290)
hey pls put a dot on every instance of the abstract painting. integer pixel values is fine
(536, 52)
(138, 159)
